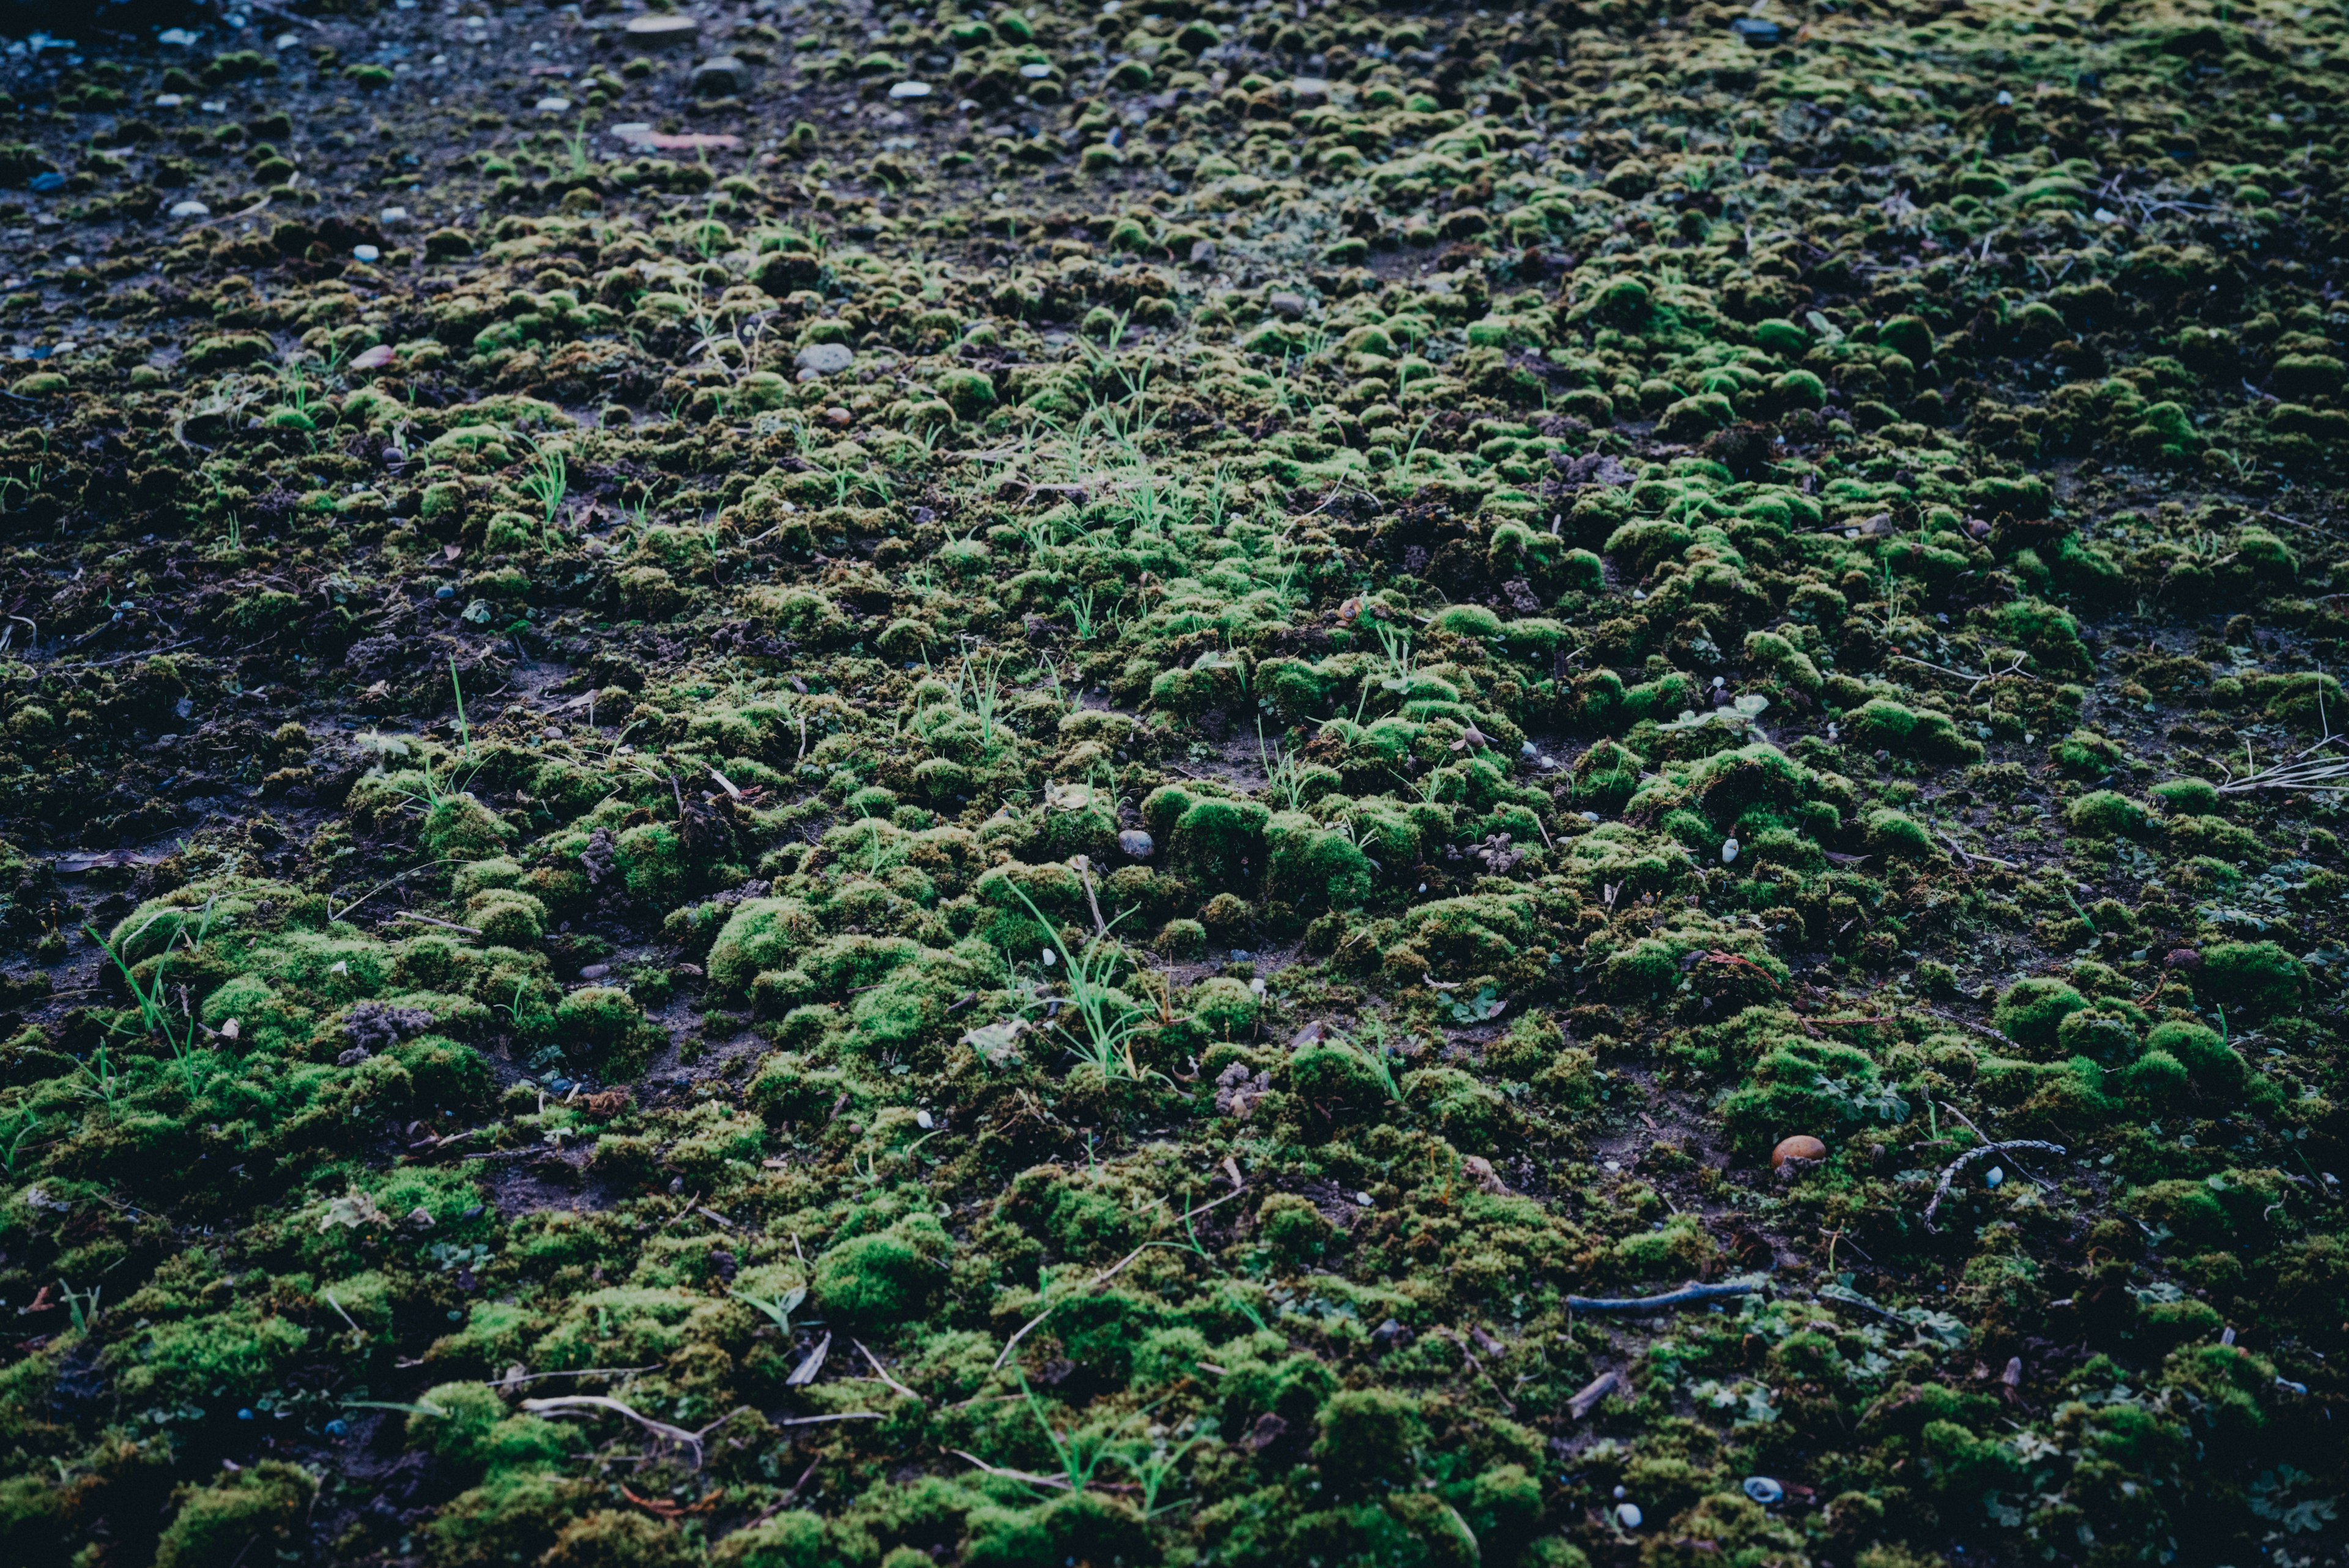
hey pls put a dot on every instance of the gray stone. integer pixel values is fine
(720, 76)
(666, 28)
(826, 359)
(1136, 844)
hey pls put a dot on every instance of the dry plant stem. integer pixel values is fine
(882, 1373)
(1592, 1393)
(1966, 1122)
(574, 1404)
(1949, 1171)
(1096, 1283)
(1687, 1295)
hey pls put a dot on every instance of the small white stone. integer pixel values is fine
(1629, 1515)
(1729, 852)
(178, 38)
(910, 89)
(552, 105)
(1035, 71)
(1996, 1178)
(168, 100)
(285, 41)
(1050, 957)
(392, 217)
(191, 209)
(826, 359)
(923, 1120)
(367, 252)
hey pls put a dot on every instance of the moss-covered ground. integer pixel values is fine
(1008, 787)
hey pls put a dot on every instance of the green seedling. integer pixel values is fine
(28, 1123)
(1108, 1027)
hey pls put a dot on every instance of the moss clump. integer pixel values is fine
(1897, 728)
(2259, 979)
(2187, 797)
(217, 1525)
(2107, 815)
(1367, 1436)
(609, 1538)
(1782, 660)
(2032, 1010)
(879, 1279)
(760, 934)
(1898, 835)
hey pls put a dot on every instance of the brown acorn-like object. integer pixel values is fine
(1802, 1146)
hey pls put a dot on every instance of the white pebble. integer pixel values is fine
(1997, 1176)
(1629, 1515)
(1050, 957)
(191, 209)
(367, 252)
(1729, 852)
(910, 89)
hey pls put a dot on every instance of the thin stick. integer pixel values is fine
(1095, 1282)
(1966, 1122)
(589, 1371)
(1591, 1393)
(1029, 1477)
(1949, 1171)
(883, 1372)
(1984, 1029)
(1687, 1295)
(572, 1404)
(844, 1416)
(428, 921)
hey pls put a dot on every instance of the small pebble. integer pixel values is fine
(1763, 1491)
(366, 253)
(1995, 1178)
(191, 209)
(903, 90)
(1729, 852)
(1628, 1514)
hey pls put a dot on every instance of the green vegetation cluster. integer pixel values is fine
(1024, 834)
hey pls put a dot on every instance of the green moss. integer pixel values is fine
(2259, 979)
(2107, 813)
(1785, 661)
(1898, 835)
(761, 934)
(2187, 797)
(2032, 1010)
(879, 1279)
(217, 1525)
(1367, 1436)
